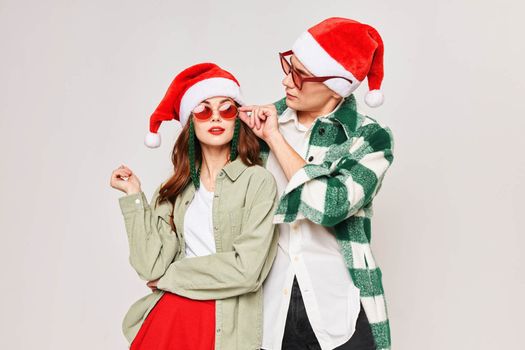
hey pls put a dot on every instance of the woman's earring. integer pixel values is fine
(235, 140)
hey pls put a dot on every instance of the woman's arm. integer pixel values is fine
(152, 242)
(242, 270)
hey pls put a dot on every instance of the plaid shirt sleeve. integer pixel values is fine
(344, 181)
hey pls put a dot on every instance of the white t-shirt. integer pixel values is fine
(198, 224)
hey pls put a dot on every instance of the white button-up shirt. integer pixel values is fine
(311, 253)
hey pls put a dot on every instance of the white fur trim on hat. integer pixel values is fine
(205, 89)
(152, 140)
(320, 63)
(374, 98)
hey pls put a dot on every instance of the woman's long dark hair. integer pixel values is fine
(247, 150)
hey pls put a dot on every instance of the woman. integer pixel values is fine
(206, 242)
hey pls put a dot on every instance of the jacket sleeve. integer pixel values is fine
(152, 243)
(345, 181)
(241, 270)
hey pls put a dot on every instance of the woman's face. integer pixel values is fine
(215, 131)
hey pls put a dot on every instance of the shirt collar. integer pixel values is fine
(291, 114)
(345, 113)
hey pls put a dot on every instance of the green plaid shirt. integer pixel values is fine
(347, 157)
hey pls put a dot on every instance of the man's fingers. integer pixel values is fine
(252, 121)
(252, 107)
(247, 108)
(244, 117)
(269, 112)
(257, 120)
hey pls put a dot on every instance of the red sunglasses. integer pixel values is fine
(297, 78)
(204, 112)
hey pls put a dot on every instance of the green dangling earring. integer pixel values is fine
(235, 140)
(194, 172)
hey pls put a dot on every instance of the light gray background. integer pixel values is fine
(79, 79)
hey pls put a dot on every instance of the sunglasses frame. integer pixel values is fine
(211, 115)
(297, 78)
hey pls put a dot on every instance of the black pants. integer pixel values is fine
(299, 335)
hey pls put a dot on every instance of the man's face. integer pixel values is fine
(312, 97)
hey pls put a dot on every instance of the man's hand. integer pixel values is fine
(262, 120)
(153, 284)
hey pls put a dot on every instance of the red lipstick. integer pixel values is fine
(216, 130)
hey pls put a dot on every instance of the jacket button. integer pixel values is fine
(310, 158)
(321, 131)
(187, 202)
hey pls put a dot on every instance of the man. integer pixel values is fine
(325, 290)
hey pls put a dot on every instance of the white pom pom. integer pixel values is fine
(152, 140)
(374, 98)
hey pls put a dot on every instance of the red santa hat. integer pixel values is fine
(189, 88)
(344, 47)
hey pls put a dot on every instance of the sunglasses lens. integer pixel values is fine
(228, 110)
(297, 80)
(202, 112)
(285, 65)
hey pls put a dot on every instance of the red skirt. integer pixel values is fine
(176, 322)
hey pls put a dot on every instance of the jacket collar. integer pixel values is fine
(347, 115)
(235, 168)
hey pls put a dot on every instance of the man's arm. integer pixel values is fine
(327, 193)
(289, 160)
(263, 120)
(346, 181)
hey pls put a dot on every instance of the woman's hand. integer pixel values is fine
(124, 180)
(262, 120)
(153, 284)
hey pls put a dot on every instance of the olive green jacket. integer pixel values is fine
(245, 199)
